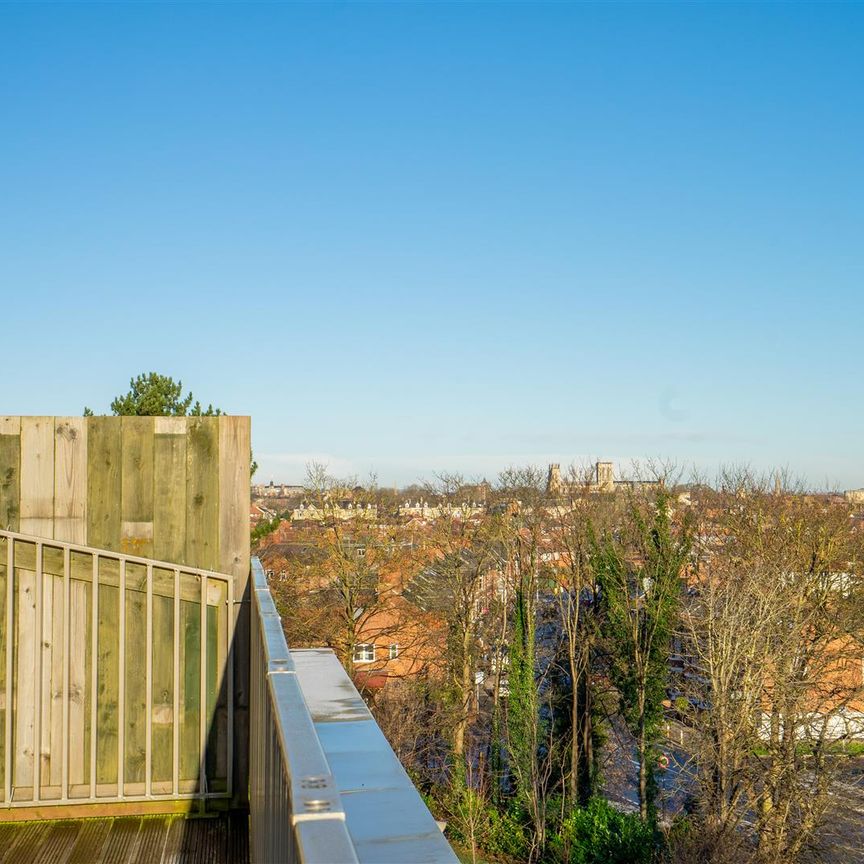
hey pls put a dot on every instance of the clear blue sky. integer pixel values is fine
(422, 237)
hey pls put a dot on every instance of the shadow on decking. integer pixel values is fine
(222, 839)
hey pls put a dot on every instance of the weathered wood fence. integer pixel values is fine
(115, 672)
(115, 684)
(173, 488)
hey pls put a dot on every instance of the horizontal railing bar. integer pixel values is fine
(116, 556)
(115, 799)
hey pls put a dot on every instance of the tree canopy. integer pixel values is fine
(155, 395)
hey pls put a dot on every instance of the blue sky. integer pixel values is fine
(410, 237)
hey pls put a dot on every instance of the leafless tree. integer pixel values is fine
(775, 627)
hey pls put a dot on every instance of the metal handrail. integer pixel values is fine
(296, 813)
(22, 576)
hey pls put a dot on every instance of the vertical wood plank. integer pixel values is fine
(134, 742)
(10, 472)
(70, 479)
(79, 640)
(234, 498)
(137, 485)
(163, 675)
(202, 492)
(103, 482)
(37, 476)
(108, 673)
(190, 686)
(51, 683)
(217, 680)
(24, 684)
(169, 492)
(52, 680)
(235, 444)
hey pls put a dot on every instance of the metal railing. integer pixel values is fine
(116, 680)
(296, 814)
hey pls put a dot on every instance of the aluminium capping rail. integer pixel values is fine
(296, 814)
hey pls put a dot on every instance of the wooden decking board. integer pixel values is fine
(121, 843)
(91, 839)
(173, 843)
(58, 844)
(7, 837)
(128, 840)
(151, 840)
(26, 846)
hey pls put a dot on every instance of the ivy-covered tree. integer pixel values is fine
(155, 395)
(639, 569)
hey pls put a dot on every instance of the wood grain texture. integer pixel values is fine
(190, 687)
(70, 479)
(202, 492)
(163, 675)
(137, 486)
(108, 680)
(235, 445)
(10, 480)
(37, 476)
(169, 425)
(103, 483)
(128, 840)
(234, 497)
(173, 488)
(10, 425)
(79, 681)
(135, 738)
(24, 706)
(169, 496)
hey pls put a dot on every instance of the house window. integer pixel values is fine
(394, 651)
(364, 652)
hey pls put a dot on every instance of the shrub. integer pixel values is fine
(472, 820)
(600, 834)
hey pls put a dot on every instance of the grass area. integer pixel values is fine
(846, 748)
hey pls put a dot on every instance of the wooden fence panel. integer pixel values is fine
(103, 483)
(169, 494)
(170, 488)
(70, 479)
(202, 491)
(137, 486)
(10, 472)
(37, 476)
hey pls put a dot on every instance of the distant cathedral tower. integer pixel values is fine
(604, 477)
(553, 483)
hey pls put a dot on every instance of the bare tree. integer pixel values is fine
(463, 571)
(575, 514)
(348, 585)
(775, 623)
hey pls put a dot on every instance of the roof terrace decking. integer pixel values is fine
(137, 692)
(223, 839)
(324, 784)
